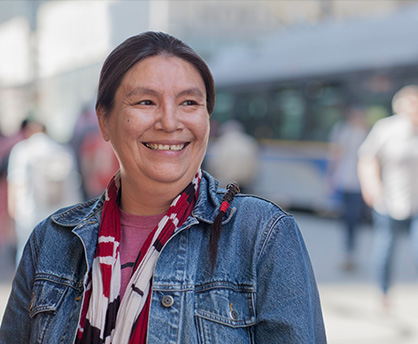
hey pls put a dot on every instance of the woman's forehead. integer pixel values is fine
(159, 70)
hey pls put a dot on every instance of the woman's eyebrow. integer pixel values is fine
(194, 91)
(141, 91)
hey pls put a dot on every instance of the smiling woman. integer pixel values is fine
(164, 255)
(159, 128)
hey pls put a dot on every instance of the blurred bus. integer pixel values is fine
(289, 91)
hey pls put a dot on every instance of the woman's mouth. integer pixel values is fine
(165, 147)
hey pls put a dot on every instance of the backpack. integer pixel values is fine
(50, 174)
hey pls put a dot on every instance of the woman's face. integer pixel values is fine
(159, 125)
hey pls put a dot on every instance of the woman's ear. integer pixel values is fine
(102, 119)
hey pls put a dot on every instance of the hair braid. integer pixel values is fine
(215, 233)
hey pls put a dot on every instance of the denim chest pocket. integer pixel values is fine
(225, 315)
(46, 297)
(54, 309)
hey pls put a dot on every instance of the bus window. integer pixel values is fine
(253, 111)
(323, 112)
(224, 106)
(288, 115)
(223, 111)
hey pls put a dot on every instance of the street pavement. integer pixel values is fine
(351, 303)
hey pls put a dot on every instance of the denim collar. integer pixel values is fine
(82, 212)
(205, 210)
(209, 201)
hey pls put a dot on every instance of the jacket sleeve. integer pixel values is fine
(16, 323)
(287, 305)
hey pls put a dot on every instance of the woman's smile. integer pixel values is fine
(165, 147)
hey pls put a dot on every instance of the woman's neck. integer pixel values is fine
(149, 199)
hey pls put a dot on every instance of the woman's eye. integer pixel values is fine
(189, 102)
(145, 102)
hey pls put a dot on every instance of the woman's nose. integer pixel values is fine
(168, 119)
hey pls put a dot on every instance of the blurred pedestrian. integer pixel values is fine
(41, 177)
(345, 139)
(233, 156)
(7, 234)
(164, 255)
(96, 160)
(388, 171)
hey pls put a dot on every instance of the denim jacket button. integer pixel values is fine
(234, 315)
(167, 301)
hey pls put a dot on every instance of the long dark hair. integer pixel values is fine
(139, 47)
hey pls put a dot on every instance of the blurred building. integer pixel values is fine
(52, 50)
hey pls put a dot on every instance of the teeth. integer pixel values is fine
(160, 147)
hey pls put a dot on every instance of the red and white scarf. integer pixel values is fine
(104, 317)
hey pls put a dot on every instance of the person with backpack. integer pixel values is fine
(41, 178)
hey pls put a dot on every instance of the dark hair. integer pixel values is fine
(139, 47)
(215, 232)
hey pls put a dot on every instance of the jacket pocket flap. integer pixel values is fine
(227, 306)
(46, 297)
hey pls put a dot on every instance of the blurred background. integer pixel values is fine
(285, 70)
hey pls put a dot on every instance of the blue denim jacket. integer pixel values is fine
(262, 289)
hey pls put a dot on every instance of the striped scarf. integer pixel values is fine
(104, 317)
